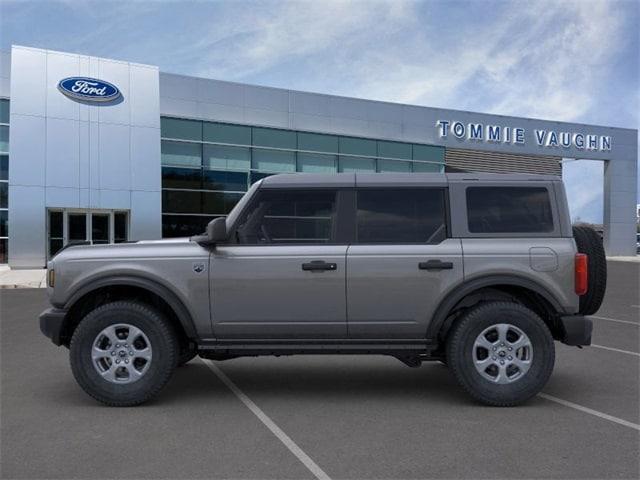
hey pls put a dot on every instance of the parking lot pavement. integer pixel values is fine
(355, 417)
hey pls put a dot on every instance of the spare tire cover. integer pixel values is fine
(589, 242)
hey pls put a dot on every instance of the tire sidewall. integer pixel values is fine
(460, 353)
(164, 353)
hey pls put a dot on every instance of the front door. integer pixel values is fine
(283, 275)
(401, 263)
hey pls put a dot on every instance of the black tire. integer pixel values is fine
(460, 349)
(589, 242)
(160, 334)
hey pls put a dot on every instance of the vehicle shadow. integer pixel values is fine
(307, 378)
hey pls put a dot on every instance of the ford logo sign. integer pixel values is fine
(89, 89)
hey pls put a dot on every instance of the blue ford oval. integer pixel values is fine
(89, 89)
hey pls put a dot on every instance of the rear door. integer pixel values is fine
(401, 263)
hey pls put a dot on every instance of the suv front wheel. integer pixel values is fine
(502, 353)
(123, 353)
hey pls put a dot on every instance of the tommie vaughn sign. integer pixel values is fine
(479, 132)
(88, 89)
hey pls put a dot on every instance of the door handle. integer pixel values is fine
(318, 266)
(435, 265)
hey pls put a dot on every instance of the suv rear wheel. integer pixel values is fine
(502, 353)
(123, 353)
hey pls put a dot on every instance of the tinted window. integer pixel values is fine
(283, 217)
(221, 180)
(4, 195)
(274, 160)
(4, 230)
(357, 164)
(180, 201)
(4, 111)
(316, 163)
(401, 216)
(184, 225)
(4, 138)
(173, 177)
(179, 153)
(177, 128)
(224, 133)
(394, 150)
(233, 158)
(77, 227)
(120, 227)
(509, 210)
(4, 167)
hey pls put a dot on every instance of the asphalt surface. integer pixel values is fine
(354, 417)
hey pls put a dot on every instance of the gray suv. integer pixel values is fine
(479, 272)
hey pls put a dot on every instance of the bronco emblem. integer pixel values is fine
(198, 267)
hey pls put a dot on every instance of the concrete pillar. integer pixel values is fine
(620, 199)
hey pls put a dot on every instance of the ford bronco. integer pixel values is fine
(481, 272)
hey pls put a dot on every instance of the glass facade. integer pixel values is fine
(207, 166)
(4, 180)
(97, 227)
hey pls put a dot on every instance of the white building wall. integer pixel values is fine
(71, 154)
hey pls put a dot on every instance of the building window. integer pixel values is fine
(4, 181)
(357, 164)
(225, 133)
(182, 129)
(180, 153)
(394, 150)
(230, 158)
(120, 227)
(207, 165)
(317, 163)
(393, 166)
(274, 160)
(78, 226)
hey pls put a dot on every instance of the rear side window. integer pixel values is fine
(509, 210)
(415, 215)
(280, 217)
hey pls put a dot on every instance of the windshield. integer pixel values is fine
(233, 215)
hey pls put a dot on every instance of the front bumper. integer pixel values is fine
(576, 330)
(52, 323)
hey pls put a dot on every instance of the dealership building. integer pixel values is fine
(102, 150)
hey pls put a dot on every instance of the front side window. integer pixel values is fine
(509, 210)
(289, 217)
(412, 215)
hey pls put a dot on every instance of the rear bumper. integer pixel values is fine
(51, 324)
(577, 330)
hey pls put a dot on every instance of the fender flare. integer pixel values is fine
(182, 313)
(458, 293)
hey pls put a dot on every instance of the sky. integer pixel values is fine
(558, 60)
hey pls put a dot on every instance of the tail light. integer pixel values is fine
(582, 274)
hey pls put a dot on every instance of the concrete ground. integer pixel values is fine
(31, 278)
(324, 417)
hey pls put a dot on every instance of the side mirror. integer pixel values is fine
(216, 232)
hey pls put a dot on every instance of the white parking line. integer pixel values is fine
(615, 350)
(277, 431)
(590, 411)
(616, 320)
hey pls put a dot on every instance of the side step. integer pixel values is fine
(402, 349)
